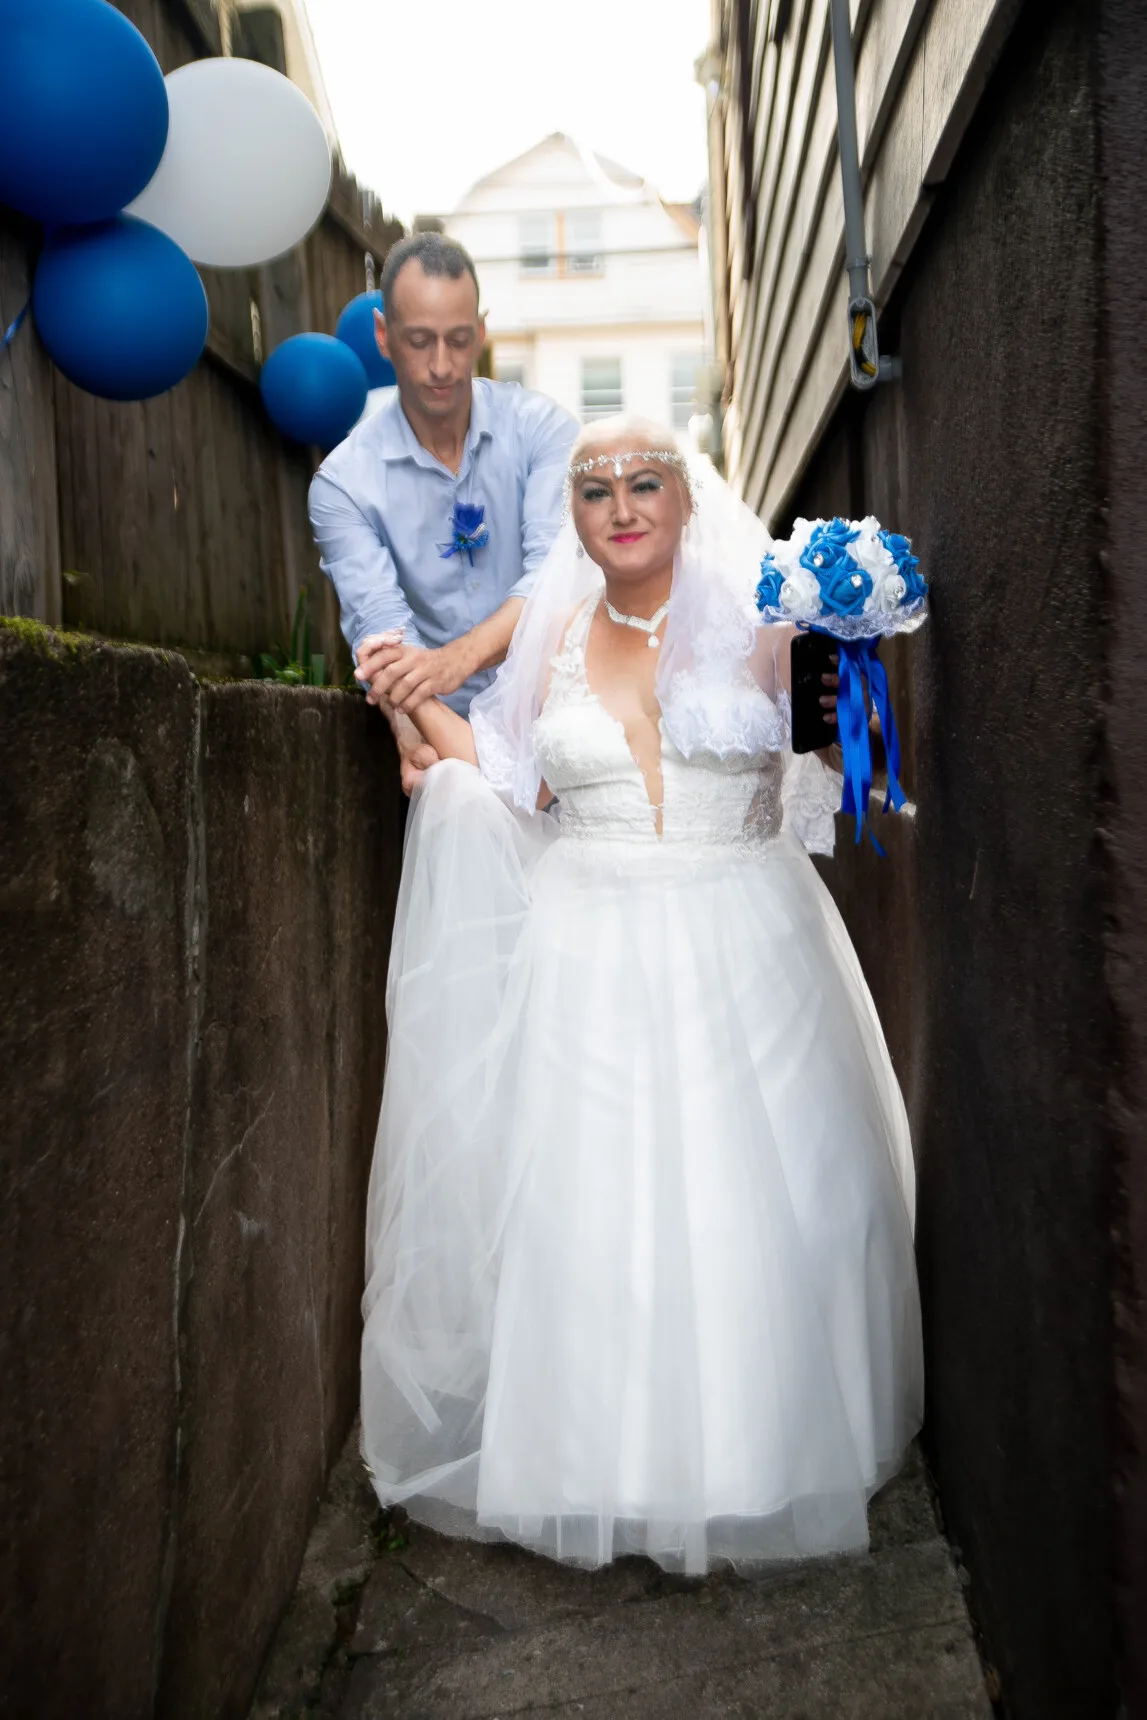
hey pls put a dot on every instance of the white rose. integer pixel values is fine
(880, 566)
(800, 594)
(887, 594)
(874, 558)
(785, 556)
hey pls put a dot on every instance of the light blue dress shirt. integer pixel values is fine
(382, 511)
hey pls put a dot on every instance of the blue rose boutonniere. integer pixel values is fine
(470, 532)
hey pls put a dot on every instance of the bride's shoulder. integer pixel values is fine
(574, 624)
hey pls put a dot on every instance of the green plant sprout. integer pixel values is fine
(298, 666)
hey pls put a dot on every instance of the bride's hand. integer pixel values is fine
(828, 700)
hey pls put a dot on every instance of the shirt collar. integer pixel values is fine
(398, 441)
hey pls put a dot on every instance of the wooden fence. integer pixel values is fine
(182, 520)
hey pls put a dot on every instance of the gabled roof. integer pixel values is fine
(686, 217)
(597, 167)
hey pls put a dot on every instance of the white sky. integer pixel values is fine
(429, 95)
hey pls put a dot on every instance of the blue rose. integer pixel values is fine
(900, 549)
(839, 533)
(827, 549)
(769, 588)
(844, 590)
(468, 519)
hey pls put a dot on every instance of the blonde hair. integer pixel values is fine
(636, 433)
(629, 435)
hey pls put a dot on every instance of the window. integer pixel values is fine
(583, 242)
(600, 387)
(684, 377)
(536, 244)
(511, 370)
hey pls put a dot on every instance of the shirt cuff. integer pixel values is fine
(410, 635)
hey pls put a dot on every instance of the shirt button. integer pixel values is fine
(475, 585)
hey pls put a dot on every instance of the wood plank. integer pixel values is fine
(891, 25)
(182, 519)
(781, 116)
(29, 509)
(786, 385)
(89, 595)
(965, 42)
(894, 219)
(165, 589)
(797, 210)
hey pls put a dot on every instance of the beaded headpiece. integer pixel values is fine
(617, 463)
(664, 456)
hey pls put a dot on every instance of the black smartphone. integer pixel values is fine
(812, 657)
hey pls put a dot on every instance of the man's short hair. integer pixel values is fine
(434, 253)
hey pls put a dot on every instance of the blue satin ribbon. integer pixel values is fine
(14, 327)
(858, 663)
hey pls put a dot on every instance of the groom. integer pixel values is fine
(434, 515)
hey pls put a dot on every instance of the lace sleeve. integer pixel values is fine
(811, 796)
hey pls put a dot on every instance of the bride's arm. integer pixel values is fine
(452, 737)
(449, 734)
(772, 670)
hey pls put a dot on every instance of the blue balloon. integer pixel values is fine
(314, 389)
(120, 308)
(83, 110)
(356, 328)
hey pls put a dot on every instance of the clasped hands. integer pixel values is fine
(405, 676)
(398, 678)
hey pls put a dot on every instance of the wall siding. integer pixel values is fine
(920, 66)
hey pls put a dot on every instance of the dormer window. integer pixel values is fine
(537, 244)
(583, 242)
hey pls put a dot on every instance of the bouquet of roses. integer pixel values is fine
(858, 583)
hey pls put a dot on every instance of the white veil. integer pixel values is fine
(708, 664)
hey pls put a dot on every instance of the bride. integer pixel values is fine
(640, 1263)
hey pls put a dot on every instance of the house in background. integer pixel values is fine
(592, 283)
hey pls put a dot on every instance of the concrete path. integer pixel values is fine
(399, 1622)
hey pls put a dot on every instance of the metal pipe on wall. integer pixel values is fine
(856, 258)
(866, 366)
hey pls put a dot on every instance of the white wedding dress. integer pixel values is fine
(640, 1258)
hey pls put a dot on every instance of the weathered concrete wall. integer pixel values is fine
(983, 933)
(196, 887)
(1123, 384)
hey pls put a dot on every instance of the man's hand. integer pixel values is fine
(415, 755)
(405, 676)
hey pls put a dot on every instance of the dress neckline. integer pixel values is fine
(581, 627)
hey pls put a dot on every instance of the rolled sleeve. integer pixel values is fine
(359, 566)
(548, 451)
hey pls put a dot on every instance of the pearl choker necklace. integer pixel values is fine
(639, 621)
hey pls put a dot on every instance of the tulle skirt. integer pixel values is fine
(639, 1254)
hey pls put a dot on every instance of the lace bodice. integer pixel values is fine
(586, 760)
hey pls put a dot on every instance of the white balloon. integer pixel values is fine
(247, 167)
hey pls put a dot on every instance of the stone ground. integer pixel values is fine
(390, 1619)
